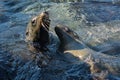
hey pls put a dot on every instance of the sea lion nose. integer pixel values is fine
(46, 12)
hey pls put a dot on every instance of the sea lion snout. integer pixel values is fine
(45, 13)
(45, 17)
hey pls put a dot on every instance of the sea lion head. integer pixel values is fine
(37, 30)
(63, 31)
(34, 26)
(68, 38)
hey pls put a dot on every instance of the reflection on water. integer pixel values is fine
(97, 22)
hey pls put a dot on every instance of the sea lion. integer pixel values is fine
(100, 63)
(37, 32)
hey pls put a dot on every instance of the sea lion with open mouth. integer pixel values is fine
(37, 32)
(100, 63)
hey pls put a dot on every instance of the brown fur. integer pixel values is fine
(37, 30)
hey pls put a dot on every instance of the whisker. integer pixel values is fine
(45, 27)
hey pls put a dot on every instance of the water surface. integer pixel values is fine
(97, 22)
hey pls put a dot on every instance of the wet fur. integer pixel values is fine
(37, 31)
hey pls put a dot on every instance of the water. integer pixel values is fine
(97, 22)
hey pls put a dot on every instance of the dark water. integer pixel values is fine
(97, 22)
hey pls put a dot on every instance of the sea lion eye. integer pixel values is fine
(75, 34)
(66, 29)
(27, 33)
(33, 21)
